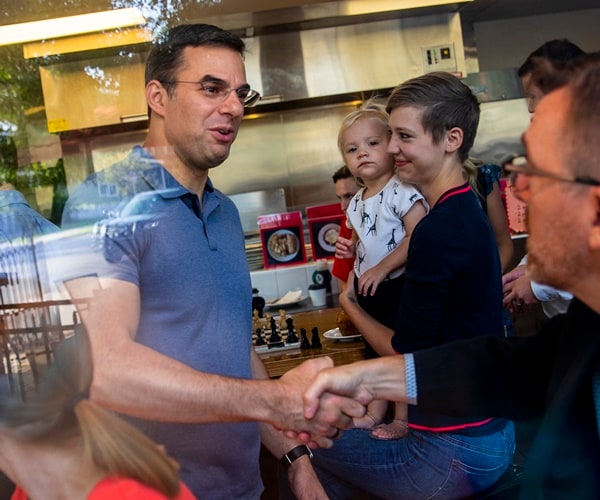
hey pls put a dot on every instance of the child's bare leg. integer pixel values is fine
(397, 428)
(374, 416)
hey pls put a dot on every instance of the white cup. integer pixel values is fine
(318, 296)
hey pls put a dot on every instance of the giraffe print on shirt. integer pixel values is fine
(373, 228)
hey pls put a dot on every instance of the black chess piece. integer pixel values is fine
(275, 337)
(258, 302)
(291, 336)
(259, 338)
(304, 343)
(315, 341)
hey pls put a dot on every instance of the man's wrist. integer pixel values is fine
(294, 454)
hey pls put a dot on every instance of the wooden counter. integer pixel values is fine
(342, 352)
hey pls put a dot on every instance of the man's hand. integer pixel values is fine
(517, 290)
(347, 380)
(333, 413)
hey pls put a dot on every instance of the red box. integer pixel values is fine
(323, 227)
(282, 237)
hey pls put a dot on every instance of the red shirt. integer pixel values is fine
(114, 488)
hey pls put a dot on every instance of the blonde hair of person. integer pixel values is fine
(60, 411)
(371, 109)
(470, 167)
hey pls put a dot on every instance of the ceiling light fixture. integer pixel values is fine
(72, 25)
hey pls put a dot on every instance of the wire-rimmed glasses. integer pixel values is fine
(219, 91)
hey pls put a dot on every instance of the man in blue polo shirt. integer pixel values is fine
(170, 288)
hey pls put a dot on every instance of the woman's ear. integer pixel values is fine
(454, 139)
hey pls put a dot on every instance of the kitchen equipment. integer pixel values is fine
(321, 276)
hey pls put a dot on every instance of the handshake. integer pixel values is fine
(316, 401)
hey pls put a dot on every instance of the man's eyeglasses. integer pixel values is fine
(517, 165)
(218, 91)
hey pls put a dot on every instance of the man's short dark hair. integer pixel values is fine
(341, 173)
(166, 53)
(559, 51)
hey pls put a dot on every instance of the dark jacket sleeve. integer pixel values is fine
(488, 376)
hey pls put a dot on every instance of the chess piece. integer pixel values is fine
(304, 343)
(255, 319)
(282, 319)
(275, 337)
(258, 303)
(315, 341)
(259, 337)
(291, 336)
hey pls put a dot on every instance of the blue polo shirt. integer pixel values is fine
(188, 260)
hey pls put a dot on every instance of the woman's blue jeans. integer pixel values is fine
(422, 465)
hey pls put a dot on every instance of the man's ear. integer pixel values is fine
(156, 96)
(594, 239)
(454, 139)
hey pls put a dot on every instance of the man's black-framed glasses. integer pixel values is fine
(219, 91)
(518, 165)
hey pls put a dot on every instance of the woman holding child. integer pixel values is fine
(452, 290)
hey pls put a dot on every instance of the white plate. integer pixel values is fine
(335, 334)
(283, 245)
(326, 230)
(283, 303)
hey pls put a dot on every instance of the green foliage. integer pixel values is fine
(20, 90)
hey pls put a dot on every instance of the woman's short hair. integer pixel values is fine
(446, 102)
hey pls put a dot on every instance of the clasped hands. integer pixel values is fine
(317, 408)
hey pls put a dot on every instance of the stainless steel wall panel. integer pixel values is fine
(354, 58)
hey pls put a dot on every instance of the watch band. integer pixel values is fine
(295, 453)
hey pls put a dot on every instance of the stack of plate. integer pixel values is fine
(254, 254)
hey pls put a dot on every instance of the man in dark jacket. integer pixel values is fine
(555, 375)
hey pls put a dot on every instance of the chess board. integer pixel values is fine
(282, 331)
(262, 349)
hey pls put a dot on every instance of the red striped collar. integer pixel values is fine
(454, 191)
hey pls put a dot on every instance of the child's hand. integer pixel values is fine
(369, 281)
(344, 248)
